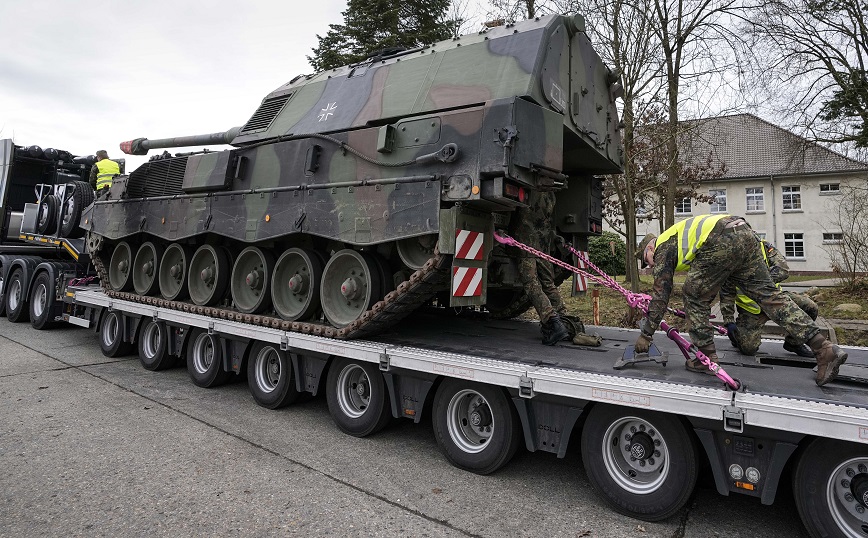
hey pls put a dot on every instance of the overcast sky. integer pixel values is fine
(85, 75)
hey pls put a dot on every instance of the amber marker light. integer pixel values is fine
(475, 189)
(267, 218)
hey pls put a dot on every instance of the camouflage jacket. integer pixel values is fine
(665, 261)
(779, 270)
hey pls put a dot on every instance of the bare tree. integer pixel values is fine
(818, 50)
(849, 254)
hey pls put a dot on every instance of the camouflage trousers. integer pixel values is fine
(750, 325)
(735, 254)
(537, 277)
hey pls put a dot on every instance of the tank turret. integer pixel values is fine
(352, 196)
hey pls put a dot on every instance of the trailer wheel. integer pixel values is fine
(269, 376)
(205, 360)
(357, 399)
(16, 303)
(42, 301)
(831, 488)
(153, 347)
(475, 425)
(111, 335)
(643, 463)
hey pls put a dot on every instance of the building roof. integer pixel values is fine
(752, 147)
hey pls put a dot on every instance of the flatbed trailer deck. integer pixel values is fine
(749, 438)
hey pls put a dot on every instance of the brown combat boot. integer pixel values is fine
(829, 358)
(695, 365)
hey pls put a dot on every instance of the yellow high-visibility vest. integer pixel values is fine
(743, 301)
(692, 234)
(107, 170)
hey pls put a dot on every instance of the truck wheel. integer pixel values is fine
(643, 463)
(357, 399)
(42, 301)
(16, 304)
(111, 335)
(475, 425)
(205, 360)
(831, 488)
(269, 376)
(82, 197)
(153, 347)
(46, 217)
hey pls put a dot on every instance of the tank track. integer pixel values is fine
(410, 295)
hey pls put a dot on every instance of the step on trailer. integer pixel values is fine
(645, 431)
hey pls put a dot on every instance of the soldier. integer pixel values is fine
(745, 332)
(102, 173)
(713, 249)
(536, 229)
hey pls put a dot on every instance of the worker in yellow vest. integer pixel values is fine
(745, 332)
(102, 173)
(713, 249)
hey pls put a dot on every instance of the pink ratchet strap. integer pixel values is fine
(635, 300)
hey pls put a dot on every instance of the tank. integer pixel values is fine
(353, 196)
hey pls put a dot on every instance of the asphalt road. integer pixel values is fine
(91, 446)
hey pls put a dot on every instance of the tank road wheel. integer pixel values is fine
(296, 282)
(251, 277)
(154, 347)
(643, 463)
(350, 286)
(111, 335)
(42, 301)
(357, 399)
(209, 275)
(16, 303)
(121, 267)
(173, 272)
(475, 425)
(415, 251)
(830, 485)
(269, 376)
(145, 267)
(46, 218)
(205, 360)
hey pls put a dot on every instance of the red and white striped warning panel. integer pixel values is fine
(581, 281)
(466, 281)
(468, 245)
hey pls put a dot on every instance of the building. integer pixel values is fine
(787, 187)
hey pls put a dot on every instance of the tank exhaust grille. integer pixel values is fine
(163, 177)
(262, 118)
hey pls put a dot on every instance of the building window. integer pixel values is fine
(683, 206)
(833, 238)
(718, 204)
(794, 245)
(830, 188)
(761, 235)
(755, 199)
(792, 198)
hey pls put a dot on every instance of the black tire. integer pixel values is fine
(111, 335)
(270, 376)
(357, 398)
(2, 295)
(153, 344)
(15, 299)
(41, 303)
(476, 425)
(828, 471)
(205, 360)
(46, 217)
(657, 484)
(82, 197)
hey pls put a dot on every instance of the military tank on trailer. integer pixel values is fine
(352, 196)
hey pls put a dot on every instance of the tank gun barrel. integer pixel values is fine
(140, 146)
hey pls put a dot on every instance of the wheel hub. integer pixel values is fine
(641, 446)
(176, 270)
(254, 280)
(362, 390)
(207, 275)
(297, 284)
(480, 416)
(859, 489)
(148, 268)
(122, 266)
(350, 288)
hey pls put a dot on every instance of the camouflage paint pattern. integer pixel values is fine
(750, 326)
(732, 254)
(534, 227)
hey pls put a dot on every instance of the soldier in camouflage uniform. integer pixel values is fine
(535, 228)
(745, 332)
(714, 249)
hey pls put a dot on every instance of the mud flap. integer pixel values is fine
(468, 236)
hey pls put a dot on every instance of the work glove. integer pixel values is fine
(643, 344)
(732, 334)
